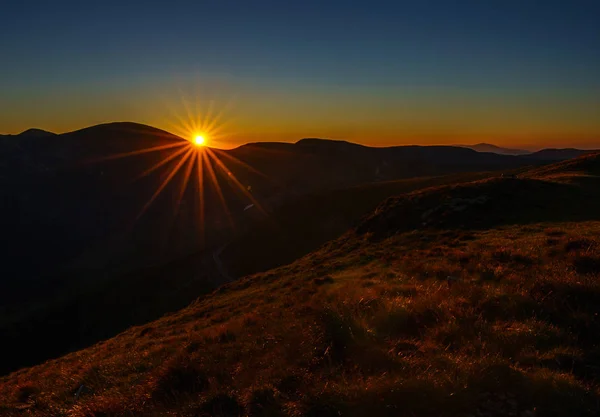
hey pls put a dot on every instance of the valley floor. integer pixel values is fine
(499, 322)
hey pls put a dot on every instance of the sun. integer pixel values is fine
(199, 140)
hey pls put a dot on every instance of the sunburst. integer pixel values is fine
(194, 158)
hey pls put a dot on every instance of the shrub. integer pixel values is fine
(399, 321)
(587, 264)
(263, 403)
(221, 405)
(340, 333)
(25, 392)
(178, 376)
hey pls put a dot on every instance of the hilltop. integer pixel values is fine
(488, 147)
(487, 314)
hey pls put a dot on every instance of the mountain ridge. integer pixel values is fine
(488, 147)
(478, 147)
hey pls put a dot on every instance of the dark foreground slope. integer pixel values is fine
(75, 315)
(461, 316)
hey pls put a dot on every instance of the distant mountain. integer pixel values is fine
(319, 163)
(487, 147)
(29, 133)
(36, 133)
(68, 197)
(553, 155)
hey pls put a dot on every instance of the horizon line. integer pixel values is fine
(516, 147)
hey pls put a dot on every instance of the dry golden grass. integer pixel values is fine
(479, 313)
(361, 328)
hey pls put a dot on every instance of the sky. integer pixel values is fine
(515, 73)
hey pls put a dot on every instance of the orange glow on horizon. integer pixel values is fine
(191, 166)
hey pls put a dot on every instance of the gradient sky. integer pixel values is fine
(514, 73)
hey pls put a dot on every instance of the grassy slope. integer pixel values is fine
(299, 228)
(76, 317)
(363, 327)
(367, 325)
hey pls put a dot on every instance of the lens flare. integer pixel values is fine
(190, 170)
(199, 140)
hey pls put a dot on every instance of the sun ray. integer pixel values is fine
(219, 131)
(179, 130)
(162, 162)
(198, 106)
(188, 111)
(186, 179)
(186, 127)
(215, 181)
(205, 120)
(240, 162)
(199, 160)
(217, 118)
(232, 178)
(136, 152)
(164, 183)
(189, 165)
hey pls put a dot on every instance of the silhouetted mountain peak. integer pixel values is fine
(126, 127)
(327, 143)
(489, 147)
(553, 154)
(37, 133)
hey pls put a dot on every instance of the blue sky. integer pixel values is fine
(405, 68)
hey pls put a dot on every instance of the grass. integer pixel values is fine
(70, 313)
(353, 337)
(300, 227)
(447, 319)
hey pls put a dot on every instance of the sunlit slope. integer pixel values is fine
(460, 316)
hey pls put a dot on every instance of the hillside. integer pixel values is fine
(301, 226)
(488, 147)
(493, 313)
(553, 155)
(75, 310)
(89, 220)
